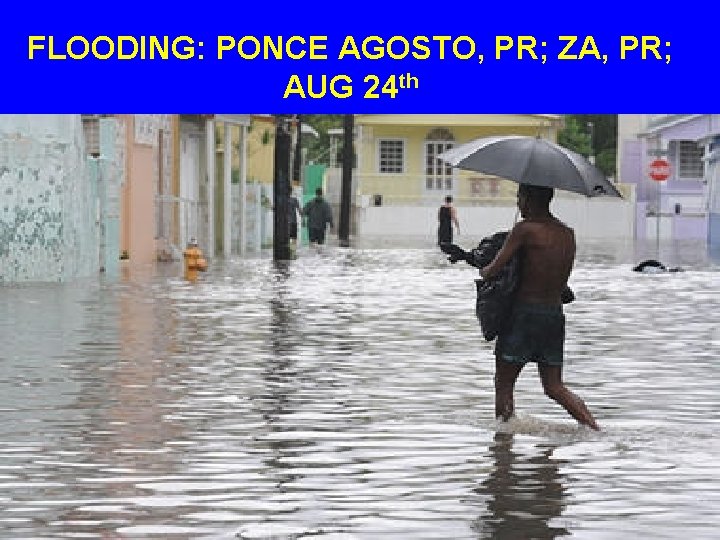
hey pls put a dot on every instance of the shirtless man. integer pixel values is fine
(536, 329)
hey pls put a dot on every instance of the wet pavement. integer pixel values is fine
(349, 394)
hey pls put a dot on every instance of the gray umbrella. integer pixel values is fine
(531, 160)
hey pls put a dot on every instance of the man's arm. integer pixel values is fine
(453, 214)
(514, 241)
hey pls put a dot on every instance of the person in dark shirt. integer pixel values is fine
(447, 215)
(319, 216)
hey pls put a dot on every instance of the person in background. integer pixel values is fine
(293, 211)
(319, 216)
(447, 215)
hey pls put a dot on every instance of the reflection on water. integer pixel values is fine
(348, 394)
(525, 492)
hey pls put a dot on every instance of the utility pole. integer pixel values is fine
(297, 160)
(347, 167)
(281, 189)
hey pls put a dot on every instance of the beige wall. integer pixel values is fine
(142, 205)
(145, 163)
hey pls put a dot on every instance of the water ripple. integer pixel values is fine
(349, 395)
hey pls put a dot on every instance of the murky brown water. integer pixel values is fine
(349, 396)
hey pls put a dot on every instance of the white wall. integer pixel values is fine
(591, 218)
(49, 228)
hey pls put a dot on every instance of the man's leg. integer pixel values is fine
(551, 377)
(505, 376)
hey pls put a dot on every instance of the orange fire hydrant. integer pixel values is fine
(194, 261)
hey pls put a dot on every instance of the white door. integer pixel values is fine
(189, 188)
(439, 175)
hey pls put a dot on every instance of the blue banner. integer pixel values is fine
(369, 57)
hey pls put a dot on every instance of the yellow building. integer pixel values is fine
(397, 156)
(260, 149)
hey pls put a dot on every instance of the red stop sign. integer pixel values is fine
(659, 170)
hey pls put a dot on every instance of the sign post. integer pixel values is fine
(659, 172)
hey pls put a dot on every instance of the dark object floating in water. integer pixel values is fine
(651, 266)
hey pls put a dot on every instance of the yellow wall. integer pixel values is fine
(413, 129)
(260, 154)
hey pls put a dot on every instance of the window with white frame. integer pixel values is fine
(690, 164)
(391, 156)
(438, 174)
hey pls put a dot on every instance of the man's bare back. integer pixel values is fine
(549, 252)
(548, 248)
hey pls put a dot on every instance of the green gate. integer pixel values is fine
(314, 178)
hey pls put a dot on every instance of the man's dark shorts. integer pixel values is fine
(292, 230)
(317, 236)
(534, 333)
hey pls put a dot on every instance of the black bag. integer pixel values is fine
(496, 296)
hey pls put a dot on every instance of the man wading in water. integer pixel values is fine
(535, 331)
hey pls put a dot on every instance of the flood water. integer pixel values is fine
(349, 395)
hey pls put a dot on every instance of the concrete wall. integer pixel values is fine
(591, 218)
(690, 227)
(714, 235)
(256, 218)
(48, 206)
(111, 172)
